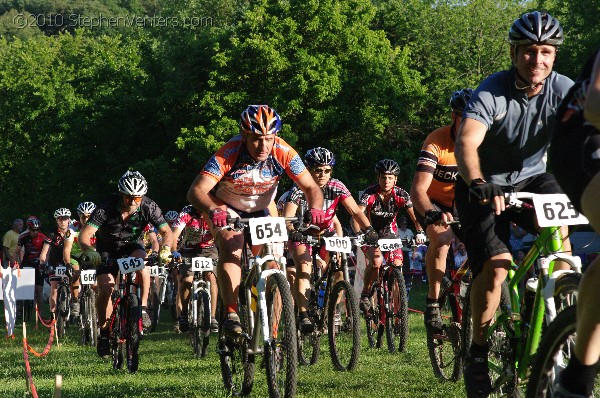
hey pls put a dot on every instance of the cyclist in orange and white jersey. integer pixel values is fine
(241, 179)
(432, 193)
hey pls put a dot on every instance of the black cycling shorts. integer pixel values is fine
(571, 155)
(485, 234)
(124, 251)
(440, 207)
(185, 268)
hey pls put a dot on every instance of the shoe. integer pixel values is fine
(75, 308)
(146, 322)
(214, 325)
(306, 326)
(232, 326)
(103, 347)
(365, 303)
(558, 391)
(176, 328)
(477, 379)
(433, 319)
(184, 325)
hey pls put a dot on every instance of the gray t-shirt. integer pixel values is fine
(518, 127)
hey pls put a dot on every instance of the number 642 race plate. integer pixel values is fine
(554, 210)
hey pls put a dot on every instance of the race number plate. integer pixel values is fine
(202, 264)
(338, 244)
(388, 245)
(267, 230)
(60, 271)
(555, 210)
(88, 276)
(130, 264)
(154, 270)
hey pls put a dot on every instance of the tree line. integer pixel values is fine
(368, 79)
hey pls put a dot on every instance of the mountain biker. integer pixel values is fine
(500, 147)
(196, 240)
(240, 179)
(381, 203)
(320, 162)
(28, 251)
(432, 194)
(118, 225)
(573, 154)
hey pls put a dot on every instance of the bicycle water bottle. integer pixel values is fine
(321, 295)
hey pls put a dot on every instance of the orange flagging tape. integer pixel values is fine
(28, 370)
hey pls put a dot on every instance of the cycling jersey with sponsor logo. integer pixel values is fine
(383, 215)
(56, 240)
(196, 231)
(32, 246)
(246, 184)
(437, 158)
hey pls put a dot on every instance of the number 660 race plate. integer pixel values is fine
(555, 210)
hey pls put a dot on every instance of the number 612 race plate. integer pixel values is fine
(267, 230)
(556, 209)
(202, 264)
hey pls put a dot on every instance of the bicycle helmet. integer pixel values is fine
(261, 120)
(132, 183)
(387, 166)
(86, 208)
(460, 99)
(171, 215)
(33, 222)
(536, 28)
(319, 157)
(62, 212)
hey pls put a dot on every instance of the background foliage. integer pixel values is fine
(367, 78)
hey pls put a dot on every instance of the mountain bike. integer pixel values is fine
(515, 332)
(125, 323)
(388, 311)
(158, 287)
(266, 312)
(63, 295)
(332, 307)
(88, 315)
(199, 305)
(444, 349)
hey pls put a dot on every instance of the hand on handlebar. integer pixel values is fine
(488, 193)
(218, 217)
(92, 257)
(295, 236)
(316, 217)
(371, 236)
(176, 256)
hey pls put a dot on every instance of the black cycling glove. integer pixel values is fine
(295, 236)
(484, 191)
(432, 216)
(371, 236)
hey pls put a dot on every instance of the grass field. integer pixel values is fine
(168, 369)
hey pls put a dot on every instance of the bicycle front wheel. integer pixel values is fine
(201, 325)
(153, 305)
(62, 309)
(281, 355)
(566, 290)
(132, 332)
(89, 319)
(343, 326)
(396, 328)
(372, 318)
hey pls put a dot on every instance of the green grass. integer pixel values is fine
(168, 369)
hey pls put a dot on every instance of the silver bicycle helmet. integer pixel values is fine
(536, 28)
(319, 157)
(62, 212)
(86, 208)
(132, 183)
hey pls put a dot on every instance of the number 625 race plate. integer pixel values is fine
(554, 210)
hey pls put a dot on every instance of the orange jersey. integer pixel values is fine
(437, 158)
(246, 184)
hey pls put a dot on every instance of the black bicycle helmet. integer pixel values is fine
(387, 166)
(319, 157)
(536, 28)
(459, 99)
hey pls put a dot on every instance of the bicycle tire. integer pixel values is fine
(445, 350)
(566, 290)
(153, 305)
(309, 345)
(559, 338)
(281, 355)
(372, 318)
(132, 330)
(116, 348)
(396, 327)
(62, 310)
(201, 330)
(92, 316)
(237, 366)
(344, 336)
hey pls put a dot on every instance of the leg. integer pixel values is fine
(53, 294)
(229, 275)
(106, 284)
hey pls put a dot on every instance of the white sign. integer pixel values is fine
(338, 244)
(388, 245)
(60, 271)
(555, 210)
(202, 264)
(130, 264)
(267, 230)
(154, 270)
(88, 277)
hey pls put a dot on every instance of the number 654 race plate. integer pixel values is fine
(555, 210)
(267, 230)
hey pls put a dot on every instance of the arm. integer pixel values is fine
(154, 241)
(411, 214)
(67, 251)
(337, 225)
(85, 236)
(358, 215)
(353, 223)
(19, 253)
(314, 195)
(7, 253)
(198, 195)
(175, 236)
(591, 110)
(289, 210)
(418, 191)
(44, 253)
(167, 235)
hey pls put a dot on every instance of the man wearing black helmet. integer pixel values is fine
(118, 225)
(432, 193)
(501, 147)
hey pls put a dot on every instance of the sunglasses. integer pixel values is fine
(321, 171)
(136, 199)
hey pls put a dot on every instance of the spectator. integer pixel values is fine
(461, 255)
(403, 231)
(9, 243)
(520, 239)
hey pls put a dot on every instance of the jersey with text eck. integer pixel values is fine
(196, 231)
(437, 158)
(245, 183)
(383, 215)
